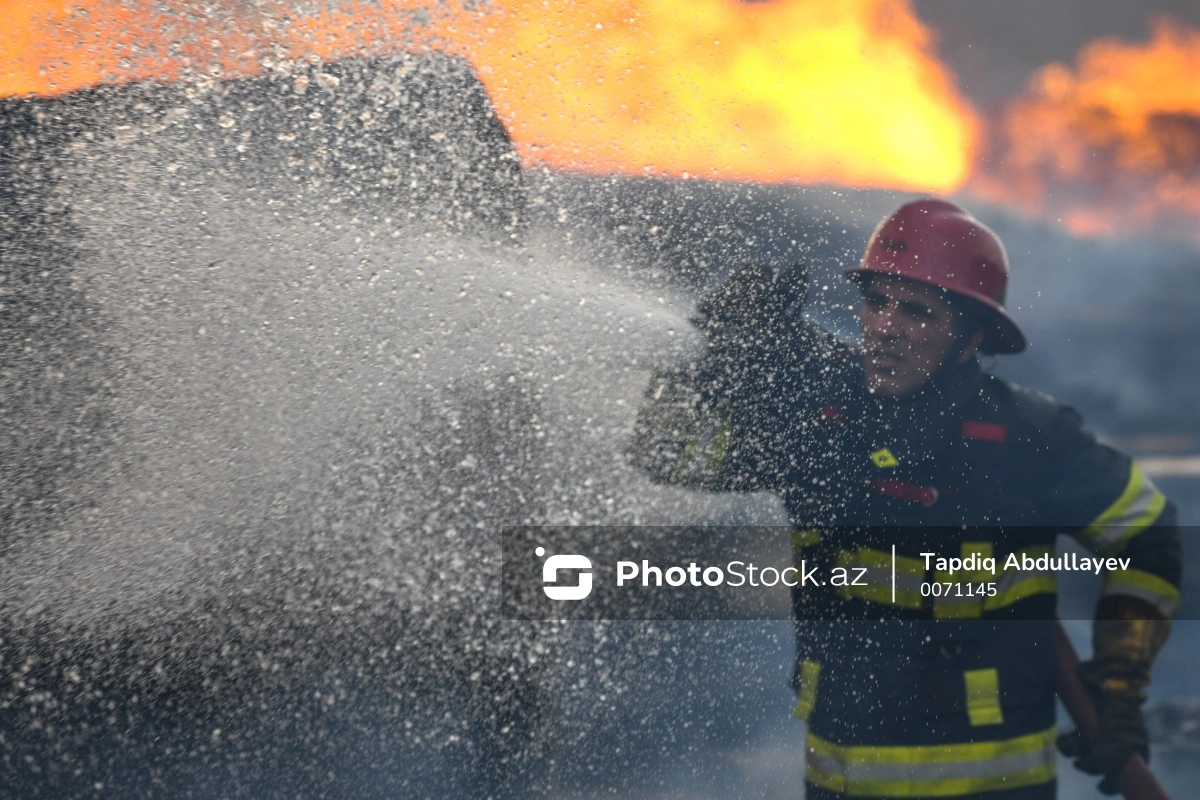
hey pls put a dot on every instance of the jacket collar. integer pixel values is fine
(930, 416)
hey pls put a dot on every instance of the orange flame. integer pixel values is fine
(1112, 145)
(798, 91)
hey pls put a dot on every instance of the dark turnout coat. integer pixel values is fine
(954, 697)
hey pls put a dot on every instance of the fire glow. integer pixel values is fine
(718, 89)
(791, 91)
(1112, 144)
(723, 89)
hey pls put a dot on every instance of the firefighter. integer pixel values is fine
(907, 441)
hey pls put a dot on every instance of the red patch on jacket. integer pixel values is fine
(903, 490)
(987, 431)
(835, 413)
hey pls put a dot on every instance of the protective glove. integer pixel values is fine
(752, 339)
(1122, 734)
(1127, 636)
(750, 309)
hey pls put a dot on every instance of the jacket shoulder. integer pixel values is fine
(1029, 414)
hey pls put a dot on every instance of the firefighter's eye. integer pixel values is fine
(917, 311)
(875, 302)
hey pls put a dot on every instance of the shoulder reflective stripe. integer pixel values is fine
(1134, 511)
(1144, 586)
(983, 697)
(1014, 585)
(810, 673)
(932, 770)
(870, 577)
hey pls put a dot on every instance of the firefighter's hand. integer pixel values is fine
(1122, 734)
(752, 305)
(1126, 637)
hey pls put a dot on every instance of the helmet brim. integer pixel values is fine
(1001, 333)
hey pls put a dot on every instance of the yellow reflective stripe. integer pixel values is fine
(877, 580)
(703, 456)
(932, 770)
(810, 673)
(983, 697)
(1144, 586)
(804, 537)
(689, 450)
(1035, 552)
(955, 606)
(934, 754)
(1020, 589)
(878, 559)
(1014, 585)
(716, 456)
(1135, 510)
(980, 549)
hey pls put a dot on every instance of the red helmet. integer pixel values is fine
(936, 242)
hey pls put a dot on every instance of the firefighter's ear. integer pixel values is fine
(969, 348)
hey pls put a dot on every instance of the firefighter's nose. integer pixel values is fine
(879, 322)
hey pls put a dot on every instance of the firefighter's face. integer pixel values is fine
(908, 332)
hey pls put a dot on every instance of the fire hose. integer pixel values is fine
(1135, 780)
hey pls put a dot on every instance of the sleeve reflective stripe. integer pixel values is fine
(716, 456)
(804, 537)
(1014, 585)
(869, 572)
(801, 539)
(1144, 586)
(932, 770)
(810, 673)
(983, 697)
(678, 439)
(703, 457)
(685, 460)
(870, 577)
(957, 605)
(1134, 511)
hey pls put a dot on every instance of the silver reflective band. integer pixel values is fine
(1135, 510)
(932, 770)
(988, 768)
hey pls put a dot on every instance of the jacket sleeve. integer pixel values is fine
(1114, 509)
(723, 422)
(682, 431)
(729, 421)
